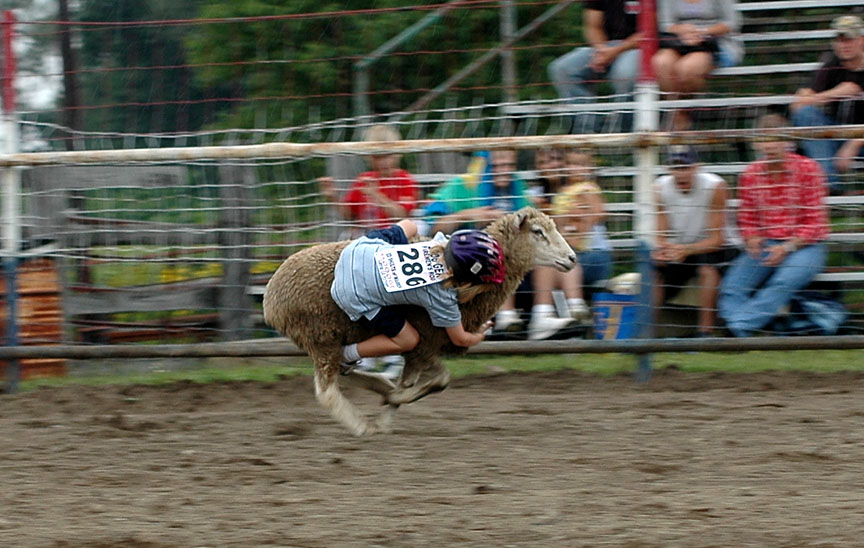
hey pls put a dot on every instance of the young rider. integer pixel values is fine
(379, 273)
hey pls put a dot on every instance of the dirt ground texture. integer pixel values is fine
(548, 459)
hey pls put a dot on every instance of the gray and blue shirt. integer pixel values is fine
(358, 290)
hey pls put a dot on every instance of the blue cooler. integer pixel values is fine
(615, 316)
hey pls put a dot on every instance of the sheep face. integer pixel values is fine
(550, 248)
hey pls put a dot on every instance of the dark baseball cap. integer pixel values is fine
(682, 155)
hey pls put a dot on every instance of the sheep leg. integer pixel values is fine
(346, 413)
(370, 381)
(410, 376)
(384, 423)
(408, 394)
(380, 385)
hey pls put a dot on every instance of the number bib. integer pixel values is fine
(409, 266)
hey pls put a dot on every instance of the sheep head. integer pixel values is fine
(530, 238)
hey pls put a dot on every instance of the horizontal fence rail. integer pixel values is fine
(306, 150)
(261, 349)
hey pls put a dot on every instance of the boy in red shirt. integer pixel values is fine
(381, 196)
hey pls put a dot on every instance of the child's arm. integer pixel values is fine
(460, 337)
(409, 227)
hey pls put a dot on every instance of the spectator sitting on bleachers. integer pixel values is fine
(694, 237)
(550, 177)
(612, 52)
(381, 196)
(783, 222)
(836, 86)
(579, 211)
(695, 37)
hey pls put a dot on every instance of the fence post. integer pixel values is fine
(235, 185)
(647, 120)
(11, 196)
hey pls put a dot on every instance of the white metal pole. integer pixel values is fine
(11, 229)
(11, 190)
(647, 121)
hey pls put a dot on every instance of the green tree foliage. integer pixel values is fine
(292, 71)
(230, 71)
(137, 75)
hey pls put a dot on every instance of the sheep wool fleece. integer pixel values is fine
(358, 290)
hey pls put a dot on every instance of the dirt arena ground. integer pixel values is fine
(557, 459)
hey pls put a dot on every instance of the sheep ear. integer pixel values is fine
(521, 218)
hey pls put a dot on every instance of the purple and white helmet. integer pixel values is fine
(475, 257)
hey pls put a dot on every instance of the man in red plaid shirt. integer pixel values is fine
(783, 223)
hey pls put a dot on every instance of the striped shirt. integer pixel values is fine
(358, 290)
(789, 206)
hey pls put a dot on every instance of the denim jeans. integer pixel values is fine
(746, 306)
(821, 150)
(725, 58)
(596, 265)
(573, 78)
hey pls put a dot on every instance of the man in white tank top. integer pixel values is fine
(694, 236)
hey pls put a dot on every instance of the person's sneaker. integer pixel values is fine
(547, 327)
(366, 364)
(578, 310)
(509, 321)
(393, 366)
(345, 368)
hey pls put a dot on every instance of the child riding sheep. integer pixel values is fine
(378, 274)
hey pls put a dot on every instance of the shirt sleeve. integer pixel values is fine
(354, 199)
(409, 193)
(665, 15)
(820, 80)
(747, 211)
(520, 192)
(442, 199)
(729, 15)
(443, 307)
(813, 218)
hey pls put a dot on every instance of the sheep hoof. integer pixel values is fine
(384, 423)
(376, 382)
(413, 393)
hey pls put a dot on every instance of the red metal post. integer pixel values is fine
(648, 27)
(7, 87)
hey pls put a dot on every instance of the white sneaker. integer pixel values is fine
(578, 309)
(393, 366)
(367, 364)
(509, 321)
(545, 327)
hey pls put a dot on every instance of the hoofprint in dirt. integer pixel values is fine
(555, 459)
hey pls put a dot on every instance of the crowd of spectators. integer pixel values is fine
(782, 220)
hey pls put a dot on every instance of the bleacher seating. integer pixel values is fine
(774, 66)
(777, 46)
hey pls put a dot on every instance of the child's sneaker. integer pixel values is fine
(367, 364)
(345, 368)
(393, 366)
(578, 309)
(508, 321)
(363, 364)
(544, 327)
